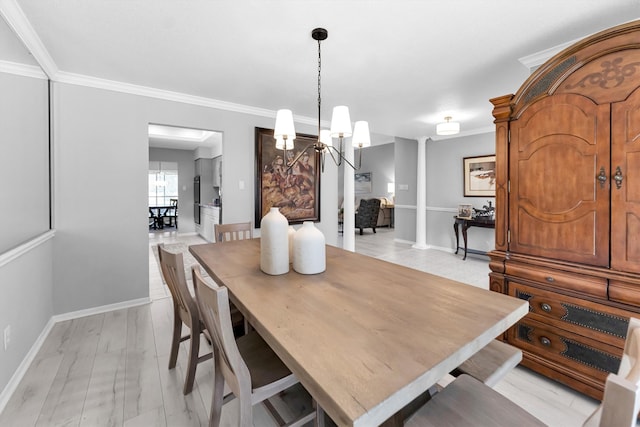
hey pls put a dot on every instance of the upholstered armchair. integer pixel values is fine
(367, 214)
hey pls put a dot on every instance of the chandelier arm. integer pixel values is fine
(293, 162)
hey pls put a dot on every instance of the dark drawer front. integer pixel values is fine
(593, 320)
(574, 353)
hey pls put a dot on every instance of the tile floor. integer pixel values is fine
(111, 369)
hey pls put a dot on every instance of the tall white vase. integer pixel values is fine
(309, 252)
(274, 243)
(292, 232)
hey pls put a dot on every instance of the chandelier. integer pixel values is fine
(285, 134)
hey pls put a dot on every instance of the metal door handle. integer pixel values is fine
(602, 177)
(617, 177)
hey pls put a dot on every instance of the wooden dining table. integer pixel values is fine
(366, 336)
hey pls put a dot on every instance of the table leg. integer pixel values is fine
(455, 229)
(465, 227)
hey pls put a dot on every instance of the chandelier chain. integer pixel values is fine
(319, 86)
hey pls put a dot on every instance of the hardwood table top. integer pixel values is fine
(366, 336)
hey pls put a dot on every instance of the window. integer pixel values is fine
(163, 183)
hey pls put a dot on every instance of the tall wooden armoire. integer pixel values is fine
(568, 207)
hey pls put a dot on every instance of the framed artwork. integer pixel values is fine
(479, 176)
(295, 189)
(362, 183)
(465, 211)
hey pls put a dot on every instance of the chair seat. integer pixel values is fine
(491, 363)
(264, 365)
(468, 402)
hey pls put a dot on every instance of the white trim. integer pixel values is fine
(405, 207)
(101, 309)
(538, 58)
(408, 242)
(443, 249)
(22, 70)
(94, 82)
(16, 19)
(441, 209)
(17, 376)
(10, 255)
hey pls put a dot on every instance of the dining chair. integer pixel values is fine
(185, 312)
(235, 231)
(229, 233)
(251, 369)
(491, 363)
(468, 402)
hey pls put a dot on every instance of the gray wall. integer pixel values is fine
(444, 191)
(26, 304)
(186, 172)
(379, 160)
(99, 131)
(24, 159)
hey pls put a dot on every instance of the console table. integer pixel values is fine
(466, 223)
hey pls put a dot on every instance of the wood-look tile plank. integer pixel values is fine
(104, 403)
(64, 402)
(27, 401)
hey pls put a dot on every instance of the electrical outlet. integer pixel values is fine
(7, 337)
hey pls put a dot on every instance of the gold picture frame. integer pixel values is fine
(479, 176)
(465, 211)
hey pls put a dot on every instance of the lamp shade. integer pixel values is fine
(284, 125)
(280, 143)
(391, 187)
(448, 127)
(340, 122)
(361, 136)
(325, 137)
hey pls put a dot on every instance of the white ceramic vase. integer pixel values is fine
(274, 243)
(292, 232)
(309, 252)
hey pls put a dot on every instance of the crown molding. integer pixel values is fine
(15, 18)
(536, 59)
(22, 70)
(112, 85)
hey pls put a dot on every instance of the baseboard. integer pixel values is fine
(101, 309)
(17, 376)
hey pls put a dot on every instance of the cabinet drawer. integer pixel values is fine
(575, 354)
(586, 318)
(624, 292)
(596, 286)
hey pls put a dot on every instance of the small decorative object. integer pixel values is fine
(292, 231)
(487, 211)
(465, 211)
(309, 252)
(274, 243)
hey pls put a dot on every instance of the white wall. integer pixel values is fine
(101, 162)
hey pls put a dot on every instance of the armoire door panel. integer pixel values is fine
(558, 207)
(625, 188)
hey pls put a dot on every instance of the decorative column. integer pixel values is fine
(349, 213)
(421, 196)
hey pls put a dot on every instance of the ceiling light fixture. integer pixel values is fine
(448, 127)
(285, 133)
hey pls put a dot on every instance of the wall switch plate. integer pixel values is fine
(7, 337)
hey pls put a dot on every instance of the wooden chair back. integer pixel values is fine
(172, 267)
(621, 402)
(213, 302)
(235, 231)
